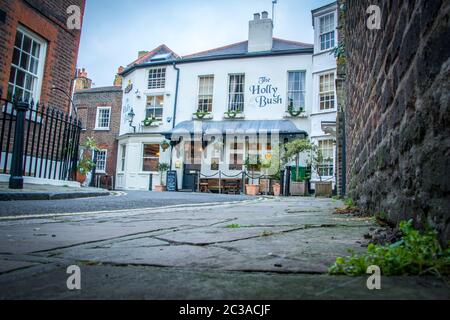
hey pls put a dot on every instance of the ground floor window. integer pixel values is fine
(150, 157)
(326, 147)
(101, 161)
(236, 155)
(122, 158)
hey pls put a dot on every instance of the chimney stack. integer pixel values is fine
(260, 33)
(118, 79)
(82, 81)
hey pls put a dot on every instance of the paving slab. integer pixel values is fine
(267, 248)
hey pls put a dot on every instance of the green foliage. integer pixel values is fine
(349, 202)
(253, 162)
(233, 226)
(148, 121)
(162, 167)
(293, 112)
(90, 144)
(85, 165)
(415, 254)
(200, 114)
(232, 114)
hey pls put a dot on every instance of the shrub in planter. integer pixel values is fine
(162, 168)
(252, 163)
(85, 164)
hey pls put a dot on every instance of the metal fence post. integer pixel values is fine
(16, 179)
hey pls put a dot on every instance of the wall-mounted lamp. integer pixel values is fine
(131, 115)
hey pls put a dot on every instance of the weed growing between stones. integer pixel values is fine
(415, 254)
(233, 226)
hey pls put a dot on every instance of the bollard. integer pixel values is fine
(16, 179)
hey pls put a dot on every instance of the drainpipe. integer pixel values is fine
(174, 118)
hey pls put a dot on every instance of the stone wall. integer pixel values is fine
(398, 111)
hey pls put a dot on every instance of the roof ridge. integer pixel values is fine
(152, 52)
(214, 49)
(294, 42)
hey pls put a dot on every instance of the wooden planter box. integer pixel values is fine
(324, 189)
(252, 189)
(299, 189)
(160, 188)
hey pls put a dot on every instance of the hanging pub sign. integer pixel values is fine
(265, 93)
(129, 87)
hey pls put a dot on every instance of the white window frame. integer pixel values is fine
(321, 93)
(123, 157)
(147, 157)
(208, 95)
(105, 161)
(299, 91)
(158, 82)
(37, 85)
(328, 164)
(153, 107)
(97, 127)
(229, 93)
(328, 31)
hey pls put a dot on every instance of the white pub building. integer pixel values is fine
(224, 108)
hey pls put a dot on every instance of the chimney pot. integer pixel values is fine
(256, 16)
(265, 15)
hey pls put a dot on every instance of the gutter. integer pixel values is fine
(218, 57)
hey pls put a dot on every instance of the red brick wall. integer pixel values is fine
(87, 103)
(46, 18)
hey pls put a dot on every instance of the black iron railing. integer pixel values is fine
(38, 141)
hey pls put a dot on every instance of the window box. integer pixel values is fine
(296, 114)
(151, 123)
(202, 116)
(234, 115)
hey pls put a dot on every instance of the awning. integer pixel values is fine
(238, 127)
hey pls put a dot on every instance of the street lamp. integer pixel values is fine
(131, 115)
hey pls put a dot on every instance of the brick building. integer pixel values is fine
(99, 110)
(38, 52)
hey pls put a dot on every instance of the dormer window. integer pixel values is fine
(327, 31)
(157, 78)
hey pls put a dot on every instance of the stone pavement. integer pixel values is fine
(48, 192)
(256, 249)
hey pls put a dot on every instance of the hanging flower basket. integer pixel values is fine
(165, 145)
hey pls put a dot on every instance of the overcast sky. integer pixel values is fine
(115, 30)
